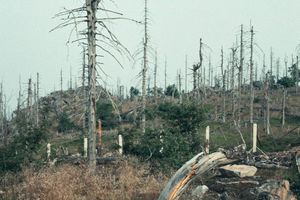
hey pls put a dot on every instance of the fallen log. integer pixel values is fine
(195, 167)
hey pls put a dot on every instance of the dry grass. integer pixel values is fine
(69, 182)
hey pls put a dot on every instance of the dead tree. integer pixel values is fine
(61, 82)
(179, 87)
(155, 78)
(277, 68)
(37, 105)
(271, 63)
(251, 77)
(2, 112)
(165, 73)
(84, 88)
(145, 66)
(19, 97)
(233, 65)
(240, 76)
(29, 100)
(286, 66)
(267, 105)
(223, 73)
(107, 42)
(186, 74)
(209, 72)
(297, 74)
(283, 108)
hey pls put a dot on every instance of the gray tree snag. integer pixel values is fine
(1, 112)
(240, 76)
(251, 77)
(19, 97)
(165, 73)
(241, 68)
(209, 72)
(29, 100)
(37, 104)
(61, 82)
(155, 77)
(267, 105)
(179, 88)
(91, 9)
(232, 82)
(84, 88)
(286, 66)
(186, 74)
(297, 74)
(223, 73)
(145, 66)
(271, 63)
(283, 107)
(277, 69)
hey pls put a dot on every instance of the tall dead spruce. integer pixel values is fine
(107, 43)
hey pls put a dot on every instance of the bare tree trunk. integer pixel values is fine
(271, 63)
(37, 98)
(91, 9)
(155, 78)
(209, 72)
(286, 66)
(297, 74)
(224, 86)
(61, 82)
(277, 69)
(240, 76)
(186, 69)
(19, 97)
(29, 100)
(2, 112)
(145, 66)
(251, 77)
(267, 106)
(180, 90)
(165, 74)
(84, 90)
(233, 82)
(283, 108)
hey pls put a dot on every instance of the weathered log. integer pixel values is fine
(189, 171)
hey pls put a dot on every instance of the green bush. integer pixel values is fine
(26, 148)
(64, 123)
(174, 141)
(104, 111)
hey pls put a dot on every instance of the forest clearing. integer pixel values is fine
(222, 124)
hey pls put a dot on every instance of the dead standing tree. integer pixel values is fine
(251, 76)
(109, 42)
(223, 74)
(240, 75)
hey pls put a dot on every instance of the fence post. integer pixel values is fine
(48, 151)
(206, 145)
(254, 148)
(85, 147)
(121, 144)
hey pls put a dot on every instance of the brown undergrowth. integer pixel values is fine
(69, 182)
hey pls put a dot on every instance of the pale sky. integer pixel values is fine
(28, 47)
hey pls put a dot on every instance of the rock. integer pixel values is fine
(200, 191)
(276, 190)
(238, 170)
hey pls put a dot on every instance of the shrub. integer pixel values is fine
(174, 141)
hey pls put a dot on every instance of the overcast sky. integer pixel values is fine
(27, 46)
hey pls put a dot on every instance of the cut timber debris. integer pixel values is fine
(238, 170)
(298, 160)
(189, 171)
